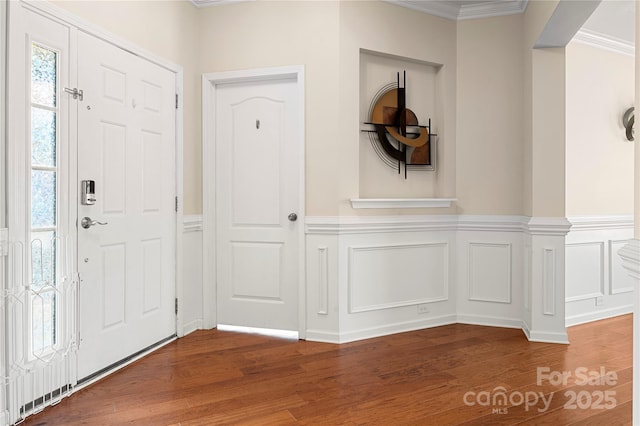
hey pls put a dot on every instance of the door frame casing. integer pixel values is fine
(210, 81)
(4, 415)
(76, 23)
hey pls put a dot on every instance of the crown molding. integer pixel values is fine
(206, 3)
(458, 12)
(603, 41)
(438, 8)
(442, 8)
(491, 9)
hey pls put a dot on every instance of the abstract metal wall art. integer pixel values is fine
(627, 121)
(397, 137)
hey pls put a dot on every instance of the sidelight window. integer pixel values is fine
(44, 196)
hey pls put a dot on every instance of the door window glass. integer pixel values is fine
(44, 195)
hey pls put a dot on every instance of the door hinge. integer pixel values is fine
(176, 204)
(176, 101)
(77, 94)
(4, 241)
(176, 306)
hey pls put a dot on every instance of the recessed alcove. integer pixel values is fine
(424, 97)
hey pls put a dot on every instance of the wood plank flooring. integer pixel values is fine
(457, 374)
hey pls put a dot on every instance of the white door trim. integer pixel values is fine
(53, 11)
(209, 83)
(49, 10)
(4, 415)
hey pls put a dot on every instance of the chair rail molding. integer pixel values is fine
(192, 223)
(598, 223)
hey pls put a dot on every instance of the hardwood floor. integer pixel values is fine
(446, 375)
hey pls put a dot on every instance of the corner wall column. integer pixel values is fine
(630, 253)
(544, 304)
(544, 301)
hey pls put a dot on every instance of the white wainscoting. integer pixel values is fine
(377, 276)
(372, 276)
(489, 265)
(374, 270)
(597, 286)
(191, 305)
(490, 277)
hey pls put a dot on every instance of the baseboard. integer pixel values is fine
(598, 315)
(192, 326)
(545, 337)
(322, 337)
(402, 327)
(489, 321)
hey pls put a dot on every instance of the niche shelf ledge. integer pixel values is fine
(401, 203)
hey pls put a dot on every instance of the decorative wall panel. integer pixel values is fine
(391, 276)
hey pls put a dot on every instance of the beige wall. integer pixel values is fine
(327, 37)
(543, 132)
(548, 133)
(278, 33)
(168, 29)
(389, 29)
(490, 104)
(599, 163)
(483, 159)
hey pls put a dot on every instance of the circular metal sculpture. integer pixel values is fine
(398, 138)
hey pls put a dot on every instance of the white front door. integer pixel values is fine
(126, 258)
(257, 171)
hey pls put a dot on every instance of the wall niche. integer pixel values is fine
(377, 178)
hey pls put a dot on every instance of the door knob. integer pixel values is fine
(292, 217)
(87, 222)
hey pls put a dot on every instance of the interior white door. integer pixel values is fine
(257, 200)
(126, 145)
